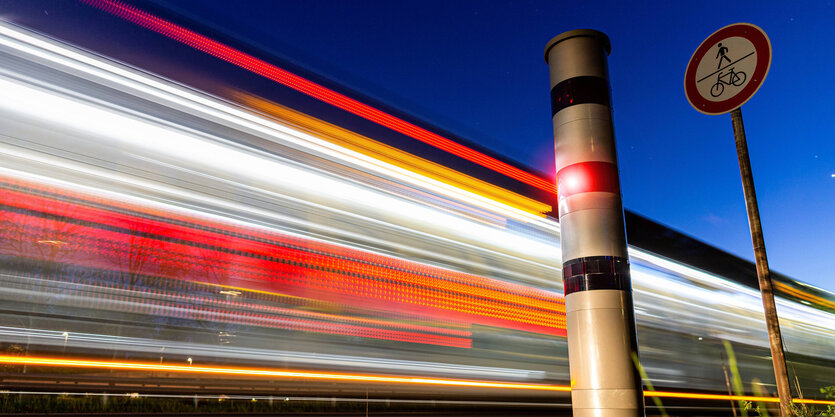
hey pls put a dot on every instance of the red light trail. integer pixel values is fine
(305, 86)
(107, 235)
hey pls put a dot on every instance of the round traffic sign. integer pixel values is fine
(727, 68)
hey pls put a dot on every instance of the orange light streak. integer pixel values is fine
(803, 295)
(338, 376)
(724, 397)
(697, 396)
(266, 372)
(392, 155)
(808, 401)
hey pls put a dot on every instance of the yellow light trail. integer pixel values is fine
(696, 396)
(394, 156)
(335, 376)
(803, 295)
(223, 370)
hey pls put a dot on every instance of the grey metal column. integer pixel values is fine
(598, 292)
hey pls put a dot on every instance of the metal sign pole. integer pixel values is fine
(772, 324)
(734, 84)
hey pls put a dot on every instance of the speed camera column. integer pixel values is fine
(602, 345)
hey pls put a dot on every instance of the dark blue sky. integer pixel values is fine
(476, 68)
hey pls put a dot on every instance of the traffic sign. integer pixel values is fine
(724, 72)
(727, 68)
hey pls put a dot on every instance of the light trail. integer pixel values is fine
(396, 157)
(98, 121)
(213, 109)
(267, 260)
(272, 72)
(265, 372)
(803, 295)
(724, 397)
(276, 373)
(268, 357)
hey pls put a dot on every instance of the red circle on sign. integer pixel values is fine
(762, 47)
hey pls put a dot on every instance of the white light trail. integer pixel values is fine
(217, 110)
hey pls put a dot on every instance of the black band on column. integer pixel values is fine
(596, 273)
(579, 90)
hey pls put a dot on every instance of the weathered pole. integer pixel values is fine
(602, 342)
(775, 338)
(708, 73)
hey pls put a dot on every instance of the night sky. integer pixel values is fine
(476, 68)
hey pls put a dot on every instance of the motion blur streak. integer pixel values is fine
(803, 295)
(81, 363)
(266, 261)
(383, 152)
(664, 394)
(224, 159)
(163, 91)
(305, 86)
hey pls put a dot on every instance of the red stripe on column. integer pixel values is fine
(587, 177)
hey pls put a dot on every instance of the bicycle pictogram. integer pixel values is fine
(735, 78)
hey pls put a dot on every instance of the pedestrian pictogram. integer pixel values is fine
(722, 55)
(727, 68)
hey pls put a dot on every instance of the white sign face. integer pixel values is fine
(727, 74)
(727, 68)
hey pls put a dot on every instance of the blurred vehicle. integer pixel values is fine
(159, 238)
